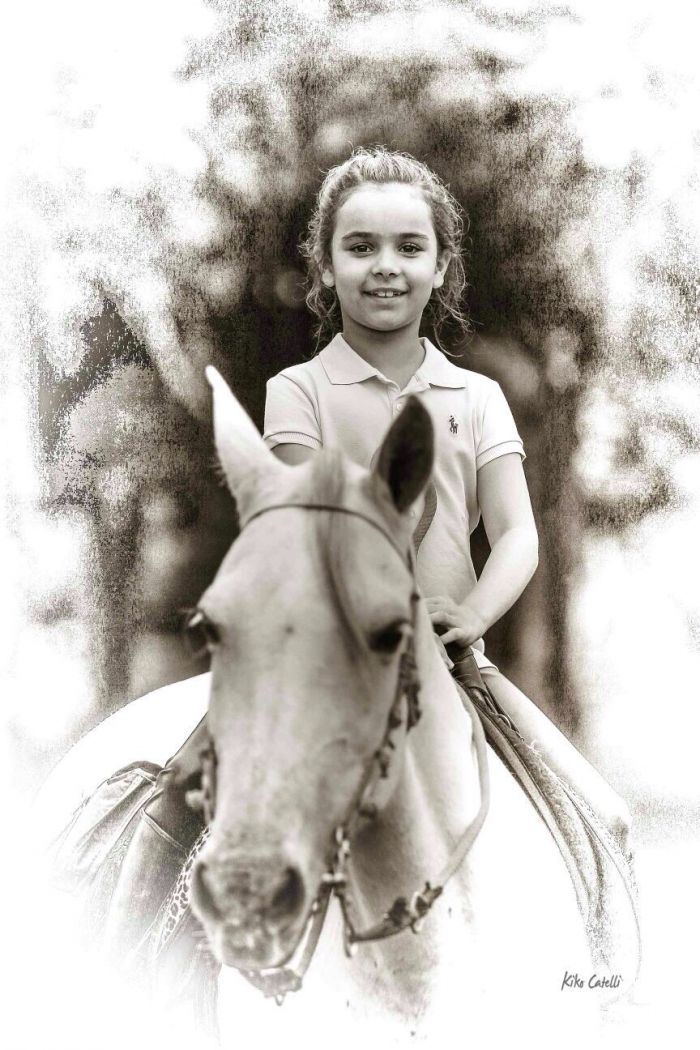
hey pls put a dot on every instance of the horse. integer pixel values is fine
(343, 769)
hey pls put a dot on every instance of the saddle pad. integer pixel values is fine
(87, 856)
(602, 874)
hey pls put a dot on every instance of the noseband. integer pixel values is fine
(404, 712)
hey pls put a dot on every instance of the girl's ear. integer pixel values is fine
(405, 459)
(443, 261)
(327, 277)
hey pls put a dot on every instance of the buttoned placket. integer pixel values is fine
(397, 398)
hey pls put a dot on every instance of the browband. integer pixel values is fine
(405, 555)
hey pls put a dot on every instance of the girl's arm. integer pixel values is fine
(292, 454)
(510, 527)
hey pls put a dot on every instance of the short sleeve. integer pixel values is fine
(290, 414)
(499, 435)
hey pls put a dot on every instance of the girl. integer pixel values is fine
(383, 247)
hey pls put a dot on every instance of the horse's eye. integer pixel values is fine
(388, 639)
(202, 634)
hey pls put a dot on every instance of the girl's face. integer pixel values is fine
(384, 260)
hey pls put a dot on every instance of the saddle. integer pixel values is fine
(600, 868)
(130, 848)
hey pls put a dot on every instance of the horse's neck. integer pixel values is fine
(437, 793)
(436, 797)
(510, 904)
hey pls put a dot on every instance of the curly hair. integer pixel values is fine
(380, 165)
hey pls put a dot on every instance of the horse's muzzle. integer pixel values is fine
(251, 907)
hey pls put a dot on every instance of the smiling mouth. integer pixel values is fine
(385, 295)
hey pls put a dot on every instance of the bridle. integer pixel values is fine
(405, 712)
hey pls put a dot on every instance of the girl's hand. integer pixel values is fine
(461, 624)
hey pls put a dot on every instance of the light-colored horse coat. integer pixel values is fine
(291, 738)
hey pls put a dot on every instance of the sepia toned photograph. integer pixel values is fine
(350, 495)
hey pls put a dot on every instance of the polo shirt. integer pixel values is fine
(339, 400)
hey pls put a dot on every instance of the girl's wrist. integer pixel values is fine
(475, 622)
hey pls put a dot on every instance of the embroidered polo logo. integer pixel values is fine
(454, 425)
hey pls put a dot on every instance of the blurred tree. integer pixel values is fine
(578, 246)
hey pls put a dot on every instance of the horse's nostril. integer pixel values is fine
(245, 893)
(288, 898)
(201, 894)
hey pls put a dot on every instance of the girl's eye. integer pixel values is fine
(364, 249)
(202, 633)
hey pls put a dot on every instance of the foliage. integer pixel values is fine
(170, 178)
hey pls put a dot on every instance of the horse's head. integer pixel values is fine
(307, 619)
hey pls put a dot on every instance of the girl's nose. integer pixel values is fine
(386, 264)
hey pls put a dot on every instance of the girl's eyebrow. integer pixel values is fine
(401, 236)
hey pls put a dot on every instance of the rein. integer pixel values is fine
(405, 711)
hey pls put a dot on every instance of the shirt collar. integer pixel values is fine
(438, 370)
(343, 366)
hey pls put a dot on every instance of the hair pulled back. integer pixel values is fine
(380, 165)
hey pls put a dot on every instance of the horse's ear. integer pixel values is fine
(242, 452)
(405, 459)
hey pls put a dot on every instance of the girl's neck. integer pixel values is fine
(397, 355)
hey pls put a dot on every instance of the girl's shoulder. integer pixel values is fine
(335, 364)
(303, 373)
(483, 390)
(477, 381)
(439, 370)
